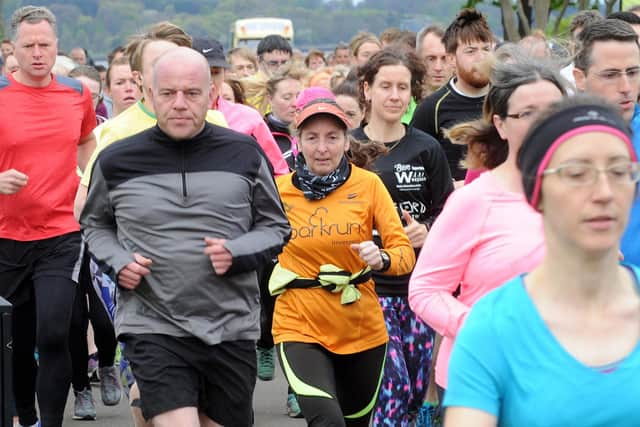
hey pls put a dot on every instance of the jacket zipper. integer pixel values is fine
(184, 174)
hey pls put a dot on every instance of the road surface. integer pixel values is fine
(269, 405)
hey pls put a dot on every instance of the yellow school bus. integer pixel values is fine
(249, 32)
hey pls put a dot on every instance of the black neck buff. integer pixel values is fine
(317, 187)
(547, 135)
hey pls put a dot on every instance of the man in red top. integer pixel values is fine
(45, 132)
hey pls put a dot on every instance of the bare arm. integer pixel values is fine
(85, 149)
(81, 199)
(457, 416)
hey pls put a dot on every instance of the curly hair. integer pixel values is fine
(364, 153)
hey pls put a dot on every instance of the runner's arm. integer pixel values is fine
(80, 200)
(85, 148)
(271, 229)
(443, 262)
(99, 227)
(456, 416)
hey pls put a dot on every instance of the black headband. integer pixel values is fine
(545, 138)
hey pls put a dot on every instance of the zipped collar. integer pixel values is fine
(161, 137)
(276, 125)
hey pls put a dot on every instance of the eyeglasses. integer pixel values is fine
(276, 64)
(614, 76)
(582, 175)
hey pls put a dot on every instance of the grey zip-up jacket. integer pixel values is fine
(159, 197)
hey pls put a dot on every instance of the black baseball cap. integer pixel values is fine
(212, 50)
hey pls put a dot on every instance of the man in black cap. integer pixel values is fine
(240, 118)
(212, 50)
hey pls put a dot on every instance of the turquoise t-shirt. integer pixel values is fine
(506, 362)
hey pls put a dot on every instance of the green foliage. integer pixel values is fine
(100, 25)
(475, 3)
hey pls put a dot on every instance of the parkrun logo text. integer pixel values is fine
(321, 226)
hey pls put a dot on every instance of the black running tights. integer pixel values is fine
(43, 322)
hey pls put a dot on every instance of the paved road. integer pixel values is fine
(269, 405)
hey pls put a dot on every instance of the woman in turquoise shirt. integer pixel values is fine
(560, 345)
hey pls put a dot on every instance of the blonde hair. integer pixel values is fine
(321, 78)
(244, 53)
(361, 38)
(338, 75)
(164, 30)
(260, 88)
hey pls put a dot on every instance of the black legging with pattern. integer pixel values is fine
(104, 333)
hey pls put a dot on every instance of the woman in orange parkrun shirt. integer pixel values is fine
(328, 325)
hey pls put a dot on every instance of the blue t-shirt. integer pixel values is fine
(506, 362)
(630, 243)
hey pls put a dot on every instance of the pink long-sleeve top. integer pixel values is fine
(483, 237)
(244, 119)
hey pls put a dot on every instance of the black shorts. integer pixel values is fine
(23, 262)
(178, 372)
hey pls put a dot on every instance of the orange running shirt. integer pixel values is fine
(321, 233)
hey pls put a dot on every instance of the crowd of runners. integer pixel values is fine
(423, 229)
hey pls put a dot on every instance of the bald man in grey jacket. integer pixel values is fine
(185, 212)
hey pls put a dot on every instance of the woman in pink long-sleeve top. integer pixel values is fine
(486, 233)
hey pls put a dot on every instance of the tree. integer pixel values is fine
(521, 17)
(509, 21)
(100, 25)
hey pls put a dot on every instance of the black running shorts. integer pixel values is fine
(177, 372)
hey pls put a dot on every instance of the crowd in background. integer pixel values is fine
(434, 172)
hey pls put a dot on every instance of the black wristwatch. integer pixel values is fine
(386, 261)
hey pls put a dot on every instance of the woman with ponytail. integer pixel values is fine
(486, 233)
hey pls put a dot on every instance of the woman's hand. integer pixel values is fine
(416, 232)
(370, 253)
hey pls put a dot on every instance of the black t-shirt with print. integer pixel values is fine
(416, 174)
(441, 110)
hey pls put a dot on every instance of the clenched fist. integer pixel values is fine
(370, 253)
(12, 181)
